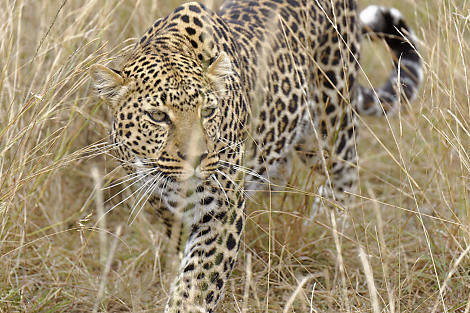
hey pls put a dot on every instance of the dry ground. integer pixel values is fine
(403, 248)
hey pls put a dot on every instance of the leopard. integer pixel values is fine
(211, 106)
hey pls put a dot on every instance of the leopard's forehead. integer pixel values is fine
(172, 80)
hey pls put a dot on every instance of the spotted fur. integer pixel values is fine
(210, 106)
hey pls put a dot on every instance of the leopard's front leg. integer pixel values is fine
(209, 256)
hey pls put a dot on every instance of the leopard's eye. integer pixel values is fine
(208, 112)
(158, 116)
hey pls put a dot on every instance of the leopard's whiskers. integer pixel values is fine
(214, 177)
(149, 192)
(236, 185)
(136, 181)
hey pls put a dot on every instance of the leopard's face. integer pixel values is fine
(167, 122)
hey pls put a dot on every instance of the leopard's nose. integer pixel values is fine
(195, 161)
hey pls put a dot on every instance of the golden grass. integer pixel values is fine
(404, 248)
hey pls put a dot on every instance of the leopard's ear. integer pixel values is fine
(219, 68)
(108, 83)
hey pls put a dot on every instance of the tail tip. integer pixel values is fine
(375, 16)
(370, 15)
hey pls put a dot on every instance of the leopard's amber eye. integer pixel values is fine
(208, 112)
(159, 116)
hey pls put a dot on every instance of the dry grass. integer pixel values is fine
(404, 248)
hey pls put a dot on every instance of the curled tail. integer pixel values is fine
(388, 24)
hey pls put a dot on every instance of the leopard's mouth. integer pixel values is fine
(176, 174)
(188, 173)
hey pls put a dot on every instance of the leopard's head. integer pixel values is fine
(167, 113)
